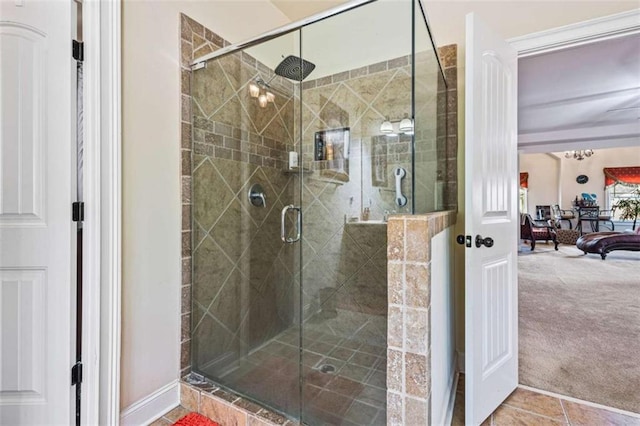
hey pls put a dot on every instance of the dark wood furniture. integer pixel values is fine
(532, 231)
(603, 243)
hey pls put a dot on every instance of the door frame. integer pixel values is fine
(594, 30)
(102, 222)
(590, 31)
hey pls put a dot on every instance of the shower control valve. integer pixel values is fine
(256, 196)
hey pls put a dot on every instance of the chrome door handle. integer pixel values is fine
(283, 230)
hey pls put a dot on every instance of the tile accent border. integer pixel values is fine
(408, 331)
(227, 408)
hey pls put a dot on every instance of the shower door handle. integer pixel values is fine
(283, 230)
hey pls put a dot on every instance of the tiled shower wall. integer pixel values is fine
(360, 99)
(448, 141)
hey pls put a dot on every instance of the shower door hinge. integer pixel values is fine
(77, 50)
(76, 374)
(198, 66)
(77, 211)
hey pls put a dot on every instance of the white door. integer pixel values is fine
(491, 292)
(36, 72)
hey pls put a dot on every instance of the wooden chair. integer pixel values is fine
(532, 231)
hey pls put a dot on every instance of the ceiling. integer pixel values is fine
(509, 18)
(298, 9)
(586, 96)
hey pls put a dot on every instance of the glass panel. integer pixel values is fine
(430, 110)
(362, 77)
(245, 332)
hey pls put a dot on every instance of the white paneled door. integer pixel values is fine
(36, 310)
(491, 293)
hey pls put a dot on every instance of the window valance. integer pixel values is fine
(624, 175)
(524, 180)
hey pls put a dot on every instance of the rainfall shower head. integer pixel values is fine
(294, 68)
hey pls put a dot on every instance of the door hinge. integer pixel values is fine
(76, 374)
(77, 50)
(77, 214)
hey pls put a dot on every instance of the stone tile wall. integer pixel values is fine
(226, 408)
(360, 99)
(448, 148)
(409, 280)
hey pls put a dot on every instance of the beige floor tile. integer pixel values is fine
(176, 414)
(460, 387)
(161, 422)
(458, 412)
(584, 415)
(536, 403)
(508, 416)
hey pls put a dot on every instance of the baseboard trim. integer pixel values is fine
(460, 362)
(152, 406)
(581, 401)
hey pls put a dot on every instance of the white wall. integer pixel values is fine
(544, 174)
(443, 343)
(151, 177)
(592, 167)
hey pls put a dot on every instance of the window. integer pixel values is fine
(523, 190)
(621, 183)
(618, 192)
(523, 200)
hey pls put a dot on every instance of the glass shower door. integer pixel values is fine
(245, 292)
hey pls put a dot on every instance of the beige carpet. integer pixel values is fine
(580, 324)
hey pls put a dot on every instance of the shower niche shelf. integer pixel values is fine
(297, 170)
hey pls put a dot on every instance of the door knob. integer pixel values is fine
(488, 242)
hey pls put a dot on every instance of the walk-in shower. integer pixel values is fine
(304, 141)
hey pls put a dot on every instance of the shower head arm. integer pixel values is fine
(265, 83)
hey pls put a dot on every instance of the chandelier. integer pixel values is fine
(580, 154)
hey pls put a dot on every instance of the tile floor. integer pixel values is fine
(525, 407)
(171, 417)
(352, 393)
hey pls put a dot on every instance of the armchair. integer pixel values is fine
(531, 231)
